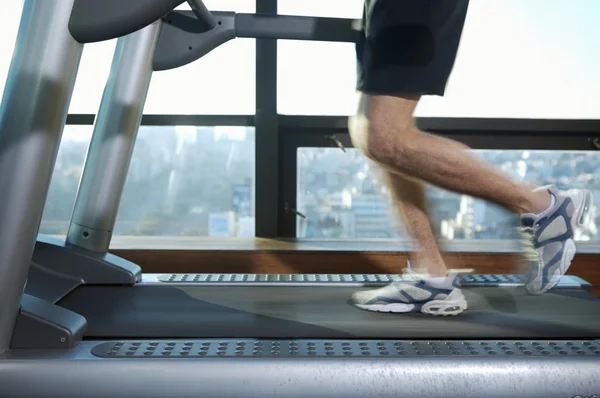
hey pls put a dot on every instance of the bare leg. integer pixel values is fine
(409, 195)
(386, 132)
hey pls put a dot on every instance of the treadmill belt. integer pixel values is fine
(158, 311)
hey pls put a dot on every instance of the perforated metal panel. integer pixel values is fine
(340, 348)
(472, 280)
(280, 278)
(483, 279)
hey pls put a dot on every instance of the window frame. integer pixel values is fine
(88, 119)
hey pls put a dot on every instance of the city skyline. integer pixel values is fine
(199, 181)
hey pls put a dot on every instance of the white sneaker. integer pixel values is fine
(433, 296)
(548, 241)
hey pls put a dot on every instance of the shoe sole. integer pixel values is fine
(452, 305)
(582, 201)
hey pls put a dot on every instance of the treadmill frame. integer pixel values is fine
(33, 113)
(77, 372)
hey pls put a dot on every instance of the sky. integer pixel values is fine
(517, 59)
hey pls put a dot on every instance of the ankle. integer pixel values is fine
(535, 202)
(428, 267)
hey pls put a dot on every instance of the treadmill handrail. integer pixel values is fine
(296, 27)
(93, 21)
(182, 40)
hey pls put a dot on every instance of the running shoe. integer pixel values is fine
(547, 238)
(415, 293)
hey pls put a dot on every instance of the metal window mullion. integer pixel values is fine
(268, 203)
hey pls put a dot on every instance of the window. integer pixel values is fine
(532, 59)
(341, 195)
(93, 71)
(225, 5)
(182, 181)
(222, 82)
(190, 181)
(92, 76)
(65, 179)
(317, 78)
(319, 8)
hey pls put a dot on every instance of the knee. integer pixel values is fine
(382, 144)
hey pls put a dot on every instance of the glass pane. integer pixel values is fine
(92, 76)
(532, 70)
(94, 66)
(196, 88)
(220, 83)
(342, 196)
(190, 181)
(225, 5)
(320, 8)
(65, 179)
(317, 78)
(183, 181)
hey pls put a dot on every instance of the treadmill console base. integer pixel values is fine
(57, 269)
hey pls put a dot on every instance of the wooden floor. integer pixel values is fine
(296, 256)
(295, 244)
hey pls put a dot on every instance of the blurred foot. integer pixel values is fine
(548, 243)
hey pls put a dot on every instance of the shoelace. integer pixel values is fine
(528, 238)
(530, 252)
(407, 279)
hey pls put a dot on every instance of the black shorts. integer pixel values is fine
(408, 46)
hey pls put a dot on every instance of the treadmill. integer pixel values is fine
(77, 321)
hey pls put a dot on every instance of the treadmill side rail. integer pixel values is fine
(414, 376)
(41, 325)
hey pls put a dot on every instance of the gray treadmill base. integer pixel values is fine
(341, 348)
(471, 280)
(77, 373)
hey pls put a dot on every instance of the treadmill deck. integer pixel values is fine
(155, 311)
